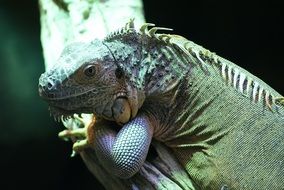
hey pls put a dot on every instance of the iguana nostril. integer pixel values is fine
(49, 85)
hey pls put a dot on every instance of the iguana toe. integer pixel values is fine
(82, 137)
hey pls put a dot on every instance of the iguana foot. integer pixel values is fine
(82, 137)
(79, 135)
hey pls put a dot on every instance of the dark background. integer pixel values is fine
(31, 155)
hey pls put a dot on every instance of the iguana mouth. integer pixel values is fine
(118, 110)
(59, 113)
(63, 114)
(121, 108)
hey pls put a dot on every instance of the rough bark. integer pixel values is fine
(65, 21)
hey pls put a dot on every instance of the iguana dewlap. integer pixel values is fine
(225, 126)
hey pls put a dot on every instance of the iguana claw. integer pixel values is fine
(82, 137)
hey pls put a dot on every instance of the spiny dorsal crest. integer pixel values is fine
(246, 85)
(124, 31)
(279, 101)
(232, 75)
(188, 47)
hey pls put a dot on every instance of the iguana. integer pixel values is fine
(223, 124)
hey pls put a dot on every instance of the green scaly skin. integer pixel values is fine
(225, 126)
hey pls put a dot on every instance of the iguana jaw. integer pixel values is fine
(121, 109)
(59, 113)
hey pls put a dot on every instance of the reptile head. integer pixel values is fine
(86, 79)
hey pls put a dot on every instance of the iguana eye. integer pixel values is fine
(90, 70)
